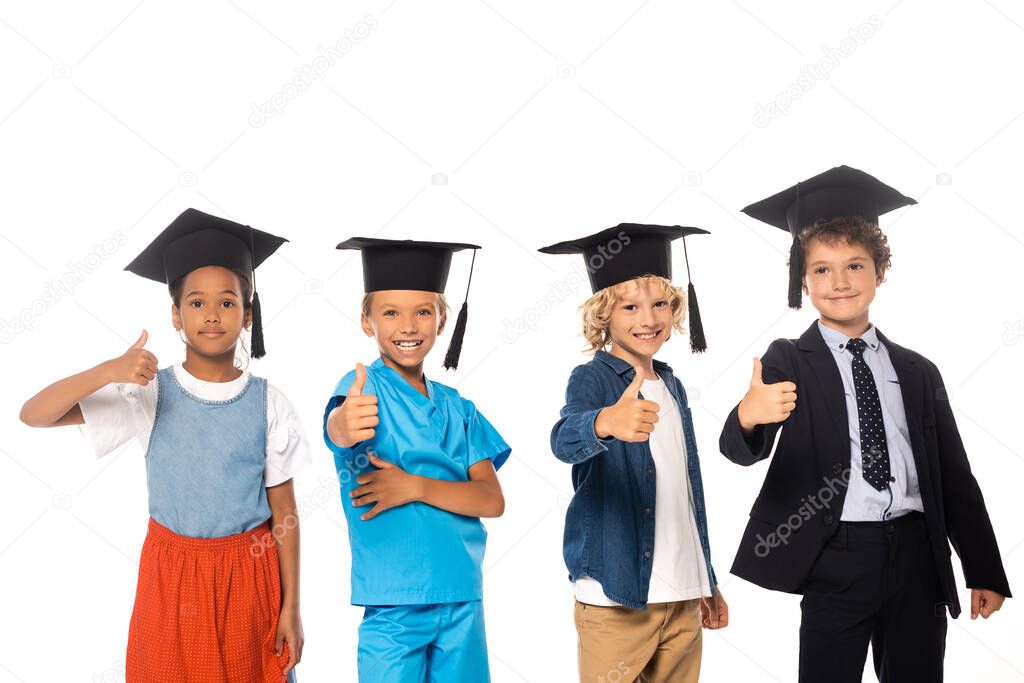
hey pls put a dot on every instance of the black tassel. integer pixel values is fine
(258, 350)
(796, 273)
(451, 359)
(697, 342)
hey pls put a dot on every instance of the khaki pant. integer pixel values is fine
(661, 644)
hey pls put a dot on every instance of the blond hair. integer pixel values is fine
(597, 310)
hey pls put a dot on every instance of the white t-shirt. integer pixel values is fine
(118, 413)
(678, 570)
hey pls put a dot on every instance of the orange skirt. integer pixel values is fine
(206, 609)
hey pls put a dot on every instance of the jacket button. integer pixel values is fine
(837, 468)
(828, 519)
(648, 510)
(647, 554)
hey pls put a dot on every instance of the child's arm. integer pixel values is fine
(284, 524)
(750, 429)
(967, 521)
(583, 428)
(391, 486)
(57, 404)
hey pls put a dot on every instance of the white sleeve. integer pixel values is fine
(287, 446)
(116, 414)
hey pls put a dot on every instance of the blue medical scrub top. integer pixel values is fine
(415, 553)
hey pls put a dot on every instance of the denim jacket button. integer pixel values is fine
(647, 554)
(648, 510)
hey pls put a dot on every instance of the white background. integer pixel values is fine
(512, 126)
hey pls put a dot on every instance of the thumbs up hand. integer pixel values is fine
(630, 418)
(354, 420)
(765, 403)
(136, 365)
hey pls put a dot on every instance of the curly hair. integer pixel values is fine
(597, 310)
(852, 230)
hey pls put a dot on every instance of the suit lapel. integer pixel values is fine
(908, 370)
(824, 370)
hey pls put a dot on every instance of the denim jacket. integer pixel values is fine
(609, 526)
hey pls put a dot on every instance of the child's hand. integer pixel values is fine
(985, 602)
(714, 612)
(355, 419)
(766, 403)
(136, 365)
(389, 487)
(631, 418)
(289, 630)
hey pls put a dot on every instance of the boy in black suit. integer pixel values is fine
(869, 478)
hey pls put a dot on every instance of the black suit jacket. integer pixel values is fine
(801, 500)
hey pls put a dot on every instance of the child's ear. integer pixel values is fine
(880, 277)
(365, 323)
(175, 316)
(441, 322)
(247, 320)
(803, 285)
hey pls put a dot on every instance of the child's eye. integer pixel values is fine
(856, 266)
(820, 270)
(227, 304)
(195, 303)
(425, 312)
(661, 304)
(629, 307)
(388, 314)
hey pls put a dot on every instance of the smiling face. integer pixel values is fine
(641, 319)
(405, 324)
(840, 278)
(211, 311)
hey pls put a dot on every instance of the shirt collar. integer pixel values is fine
(837, 341)
(622, 366)
(380, 365)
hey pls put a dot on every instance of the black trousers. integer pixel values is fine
(874, 582)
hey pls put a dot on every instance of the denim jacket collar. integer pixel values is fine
(623, 366)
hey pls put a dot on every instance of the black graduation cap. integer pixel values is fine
(632, 250)
(195, 239)
(416, 265)
(839, 192)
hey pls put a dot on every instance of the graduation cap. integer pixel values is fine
(840, 192)
(415, 265)
(632, 250)
(195, 239)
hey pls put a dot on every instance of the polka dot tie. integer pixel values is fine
(873, 448)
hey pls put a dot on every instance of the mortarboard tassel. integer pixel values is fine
(451, 358)
(258, 350)
(697, 342)
(796, 261)
(796, 270)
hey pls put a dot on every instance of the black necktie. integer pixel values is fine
(873, 448)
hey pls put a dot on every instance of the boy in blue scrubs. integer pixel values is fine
(417, 466)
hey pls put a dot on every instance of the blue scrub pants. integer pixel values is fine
(439, 643)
